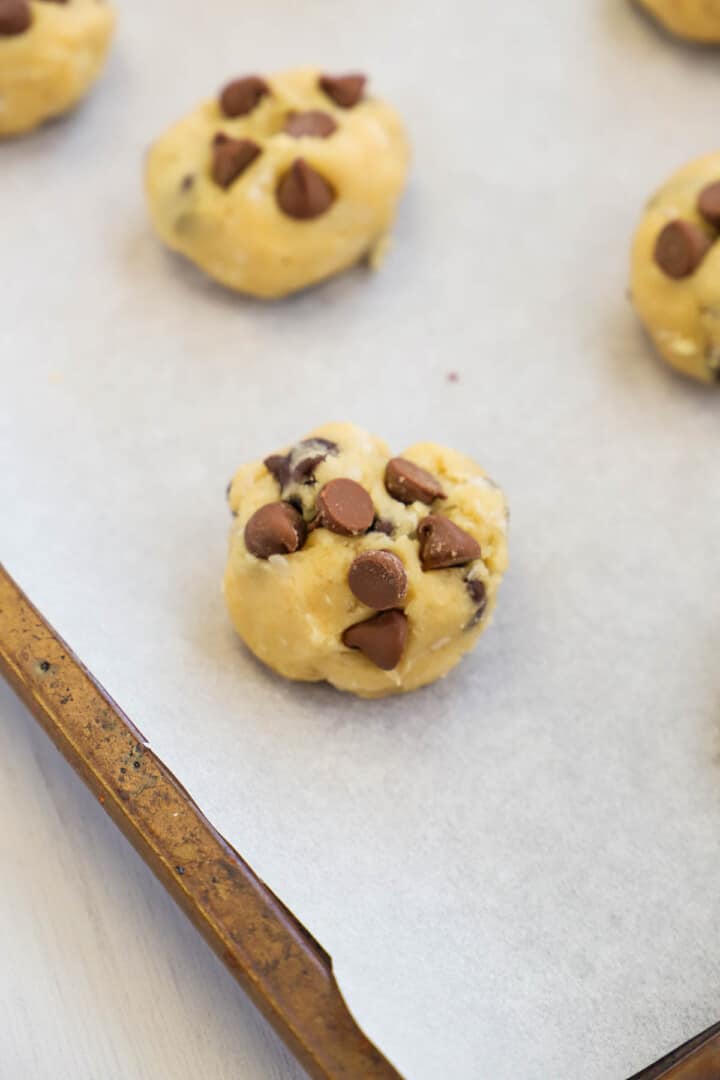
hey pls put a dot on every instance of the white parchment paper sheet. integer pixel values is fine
(515, 870)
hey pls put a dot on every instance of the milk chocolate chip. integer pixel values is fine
(381, 639)
(315, 123)
(241, 96)
(303, 193)
(345, 507)
(231, 158)
(275, 529)
(378, 579)
(409, 483)
(680, 248)
(444, 544)
(15, 17)
(345, 90)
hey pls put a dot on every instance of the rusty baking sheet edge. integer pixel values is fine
(697, 1059)
(277, 962)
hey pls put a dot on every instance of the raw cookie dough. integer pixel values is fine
(279, 183)
(374, 573)
(51, 51)
(697, 20)
(675, 275)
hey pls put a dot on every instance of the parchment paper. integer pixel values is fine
(515, 870)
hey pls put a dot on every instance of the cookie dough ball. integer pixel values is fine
(697, 20)
(675, 277)
(372, 572)
(280, 182)
(51, 51)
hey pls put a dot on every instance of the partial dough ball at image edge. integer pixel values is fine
(372, 572)
(280, 182)
(693, 20)
(675, 269)
(51, 52)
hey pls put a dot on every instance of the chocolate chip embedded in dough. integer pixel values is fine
(303, 193)
(15, 17)
(315, 123)
(345, 90)
(345, 507)
(444, 544)
(478, 595)
(306, 457)
(278, 465)
(231, 157)
(409, 483)
(680, 248)
(241, 96)
(378, 579)
(275, 529)
(300, 462)
(381, 639)
(708, 204)
(382, 525)
(228, 491)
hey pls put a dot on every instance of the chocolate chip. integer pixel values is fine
(15, 17)
(278, 465)
(303, 193)
(314, 123)
(228, 489)
(708, 204)
(381, 639)
(304, 471)
(444, 544)
(275, 529)
(382, 525)
(345, 90)
(187, 183)
(680, 248)
(408, 483)
(299, 464)
(231, 158)
(310, 455)
(378, 579)
(345, 507)
(330, 446)
(241, 96)
(478, 595)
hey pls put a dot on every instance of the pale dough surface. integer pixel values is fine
(698, 20)
(239, 235)
(291, 611)
(48, 68)
(682, 315)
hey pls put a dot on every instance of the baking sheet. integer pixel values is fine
(514, 870)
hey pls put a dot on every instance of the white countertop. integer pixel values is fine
(102, 977)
